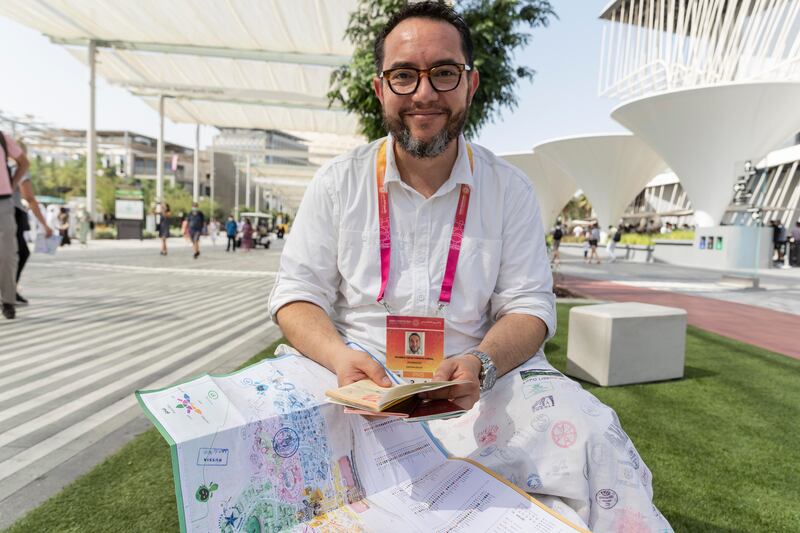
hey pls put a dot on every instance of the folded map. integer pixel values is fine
(262, 450)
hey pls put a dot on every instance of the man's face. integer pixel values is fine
(413, 343)
(425, 122)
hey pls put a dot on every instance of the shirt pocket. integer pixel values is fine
(359, 264)
(476, 278)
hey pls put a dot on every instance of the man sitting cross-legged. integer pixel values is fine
(422, 224)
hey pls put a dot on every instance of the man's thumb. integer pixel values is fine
(376, 373)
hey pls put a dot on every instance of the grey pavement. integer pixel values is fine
(779, 288)
(104, 321)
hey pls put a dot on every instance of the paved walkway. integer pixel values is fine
(103, 322)
(768, 318)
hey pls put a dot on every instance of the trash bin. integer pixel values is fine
(794, 252)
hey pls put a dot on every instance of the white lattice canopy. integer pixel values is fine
(236, 63)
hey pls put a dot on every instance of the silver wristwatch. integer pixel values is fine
(488, 373)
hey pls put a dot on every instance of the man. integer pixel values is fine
(9, 149)
(359, 251)
(558, 234)
(414, 344)
(230, 231)
(197, 222)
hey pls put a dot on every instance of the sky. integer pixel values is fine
(42, 79)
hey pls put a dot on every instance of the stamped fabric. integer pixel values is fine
(543, 432)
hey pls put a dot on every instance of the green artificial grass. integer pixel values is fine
(723, 444)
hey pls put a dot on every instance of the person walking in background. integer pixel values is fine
(614, 237)
(9, 258)
(594, 238)
(196, 222)
(162, 224)
(558, 233)
(230, 231)
(213, 229)
(794, 249)
(247, 235)
(24, 191)
(63, 226)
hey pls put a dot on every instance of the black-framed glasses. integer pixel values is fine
(405, 80)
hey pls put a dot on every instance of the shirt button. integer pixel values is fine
(420, 298)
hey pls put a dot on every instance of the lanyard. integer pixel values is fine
(386, 236)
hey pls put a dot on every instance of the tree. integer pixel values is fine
(498, 29)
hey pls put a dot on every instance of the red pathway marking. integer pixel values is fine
(765, 328)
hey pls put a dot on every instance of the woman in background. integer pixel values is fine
(63, 227)
(213, 230)
(162, 224)
(247, 235)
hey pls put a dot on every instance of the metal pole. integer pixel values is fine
(91, 136)
(212, 181)
(160, 151)
(258, 198)
(247, 184)
(196, 180)
(236, 189)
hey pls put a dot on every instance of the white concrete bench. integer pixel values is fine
(622, 343)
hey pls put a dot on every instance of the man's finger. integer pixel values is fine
(445, 371)
(375, 372)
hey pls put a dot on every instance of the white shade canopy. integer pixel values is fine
(611, 169)
(238, 63)
(705, 134)
(553, 186)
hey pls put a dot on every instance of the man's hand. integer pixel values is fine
(48, 232)
(354, 365)
(467, 367)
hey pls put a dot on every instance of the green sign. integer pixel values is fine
(130, 193)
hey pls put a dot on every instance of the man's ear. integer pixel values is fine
(475, 80)
(377, 86)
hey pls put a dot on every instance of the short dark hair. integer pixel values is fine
(417, 335)
(430, 10)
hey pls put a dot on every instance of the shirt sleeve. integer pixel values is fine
(14, 151)
(525, 282)
(308, 270)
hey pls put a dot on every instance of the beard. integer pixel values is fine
(437, 144)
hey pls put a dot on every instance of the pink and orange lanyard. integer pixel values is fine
(386, 236)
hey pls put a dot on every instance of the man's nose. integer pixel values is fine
(425, 92)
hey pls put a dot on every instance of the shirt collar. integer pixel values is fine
(461, 173)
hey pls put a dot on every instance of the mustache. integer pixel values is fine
(416, 109)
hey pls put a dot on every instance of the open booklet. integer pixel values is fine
(262, 450)
(366, 397)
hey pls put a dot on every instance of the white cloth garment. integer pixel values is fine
(332, 259)
(539, 429)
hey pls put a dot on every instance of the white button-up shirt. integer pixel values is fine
(332, 256)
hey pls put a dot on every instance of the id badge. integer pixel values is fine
(414, 346)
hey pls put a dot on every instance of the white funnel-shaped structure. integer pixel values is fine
(611, 169)
(553, 186)
(705, 134)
